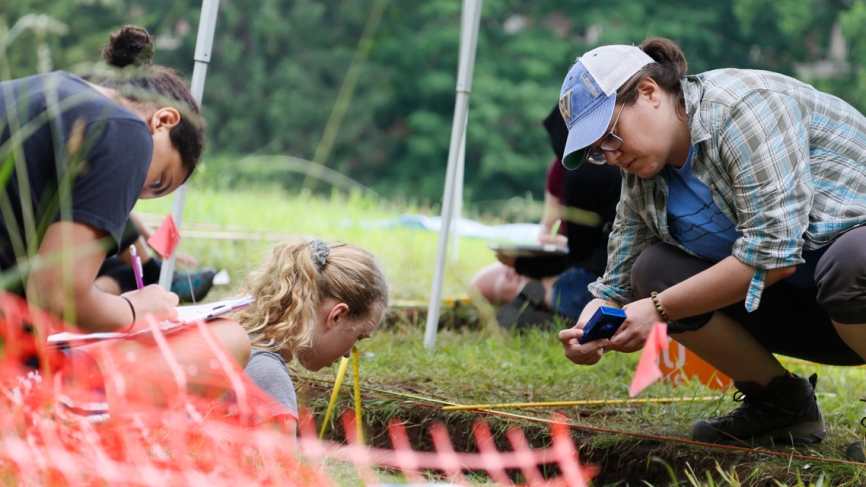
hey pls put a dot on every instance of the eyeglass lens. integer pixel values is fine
(595, 155)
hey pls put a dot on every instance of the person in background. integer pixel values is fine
(741, 225)
(499, 283)
(117, 277)
(535, 289)
(312, 302)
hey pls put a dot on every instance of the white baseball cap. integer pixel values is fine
(588, 94)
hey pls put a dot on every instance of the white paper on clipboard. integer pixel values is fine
(185, 315)
(206, 312)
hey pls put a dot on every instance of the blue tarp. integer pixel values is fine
(512, 232)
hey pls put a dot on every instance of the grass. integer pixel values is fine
(480, 364)
(407, 255)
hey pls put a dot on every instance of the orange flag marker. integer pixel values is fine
(166, 238)
(647, 369)
(679, 365)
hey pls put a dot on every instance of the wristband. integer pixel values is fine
(132, 308)
(658, 304)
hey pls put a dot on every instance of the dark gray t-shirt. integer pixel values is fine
(116, 145)
(268, 371)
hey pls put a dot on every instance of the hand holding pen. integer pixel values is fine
(150, 299)
(554, 237)
(137, 268)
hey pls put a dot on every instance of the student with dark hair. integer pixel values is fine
(741, 224)
(81, 155)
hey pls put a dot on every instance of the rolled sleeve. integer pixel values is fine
(764, 146)
(629, 237)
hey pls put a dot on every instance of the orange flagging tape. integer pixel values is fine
(133, 412)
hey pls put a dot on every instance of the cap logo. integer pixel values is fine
(565, 105)
(588, 84)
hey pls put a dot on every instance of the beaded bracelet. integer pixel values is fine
(655, 297)
(128, 328)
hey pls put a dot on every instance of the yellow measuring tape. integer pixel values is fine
(359, 430)
(338, 382)
(593, 402)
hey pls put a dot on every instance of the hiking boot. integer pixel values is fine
(856, 451)
(192, 286)
(526, 310)
(784, 412)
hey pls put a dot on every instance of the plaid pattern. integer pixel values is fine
(785, 162)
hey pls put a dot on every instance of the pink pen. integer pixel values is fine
(136, 267)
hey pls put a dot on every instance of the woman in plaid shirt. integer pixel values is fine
(740, 224)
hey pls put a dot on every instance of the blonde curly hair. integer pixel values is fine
(289, 288)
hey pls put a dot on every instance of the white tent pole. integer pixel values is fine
(458, 193)
(468, 41)
(203, 46)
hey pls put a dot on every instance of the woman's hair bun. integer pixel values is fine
(666, 52)
(130, 45)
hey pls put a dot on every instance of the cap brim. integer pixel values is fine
(587, 130)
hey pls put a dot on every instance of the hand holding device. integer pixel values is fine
(603, 324)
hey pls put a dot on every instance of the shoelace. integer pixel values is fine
(762, 408)
(748, 406)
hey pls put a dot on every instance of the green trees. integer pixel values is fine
(278, 65)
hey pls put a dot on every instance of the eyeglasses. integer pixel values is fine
(609, 143)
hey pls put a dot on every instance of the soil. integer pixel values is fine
(618, 460)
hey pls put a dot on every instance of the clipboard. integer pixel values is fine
(185, 315)
(536, 250)
(210, 311)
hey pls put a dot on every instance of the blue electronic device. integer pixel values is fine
(603, 324)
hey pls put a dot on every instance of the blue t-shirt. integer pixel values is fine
(699, 225)
(694, 219)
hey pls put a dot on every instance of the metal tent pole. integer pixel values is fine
(468, 42)
(458, 194)
(203, 46)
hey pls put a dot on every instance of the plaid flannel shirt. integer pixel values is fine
(785, 162)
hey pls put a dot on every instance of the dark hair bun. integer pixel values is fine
(667, 53)
(131, 45)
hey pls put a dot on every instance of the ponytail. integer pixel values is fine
(670, 67)
(286, 293)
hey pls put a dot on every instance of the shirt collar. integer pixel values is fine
(693, 91)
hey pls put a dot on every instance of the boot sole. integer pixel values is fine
(801, 434)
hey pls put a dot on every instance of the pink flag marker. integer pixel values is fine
(648, 370)
(166, 238)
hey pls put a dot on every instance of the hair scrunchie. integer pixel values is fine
(319, 252)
